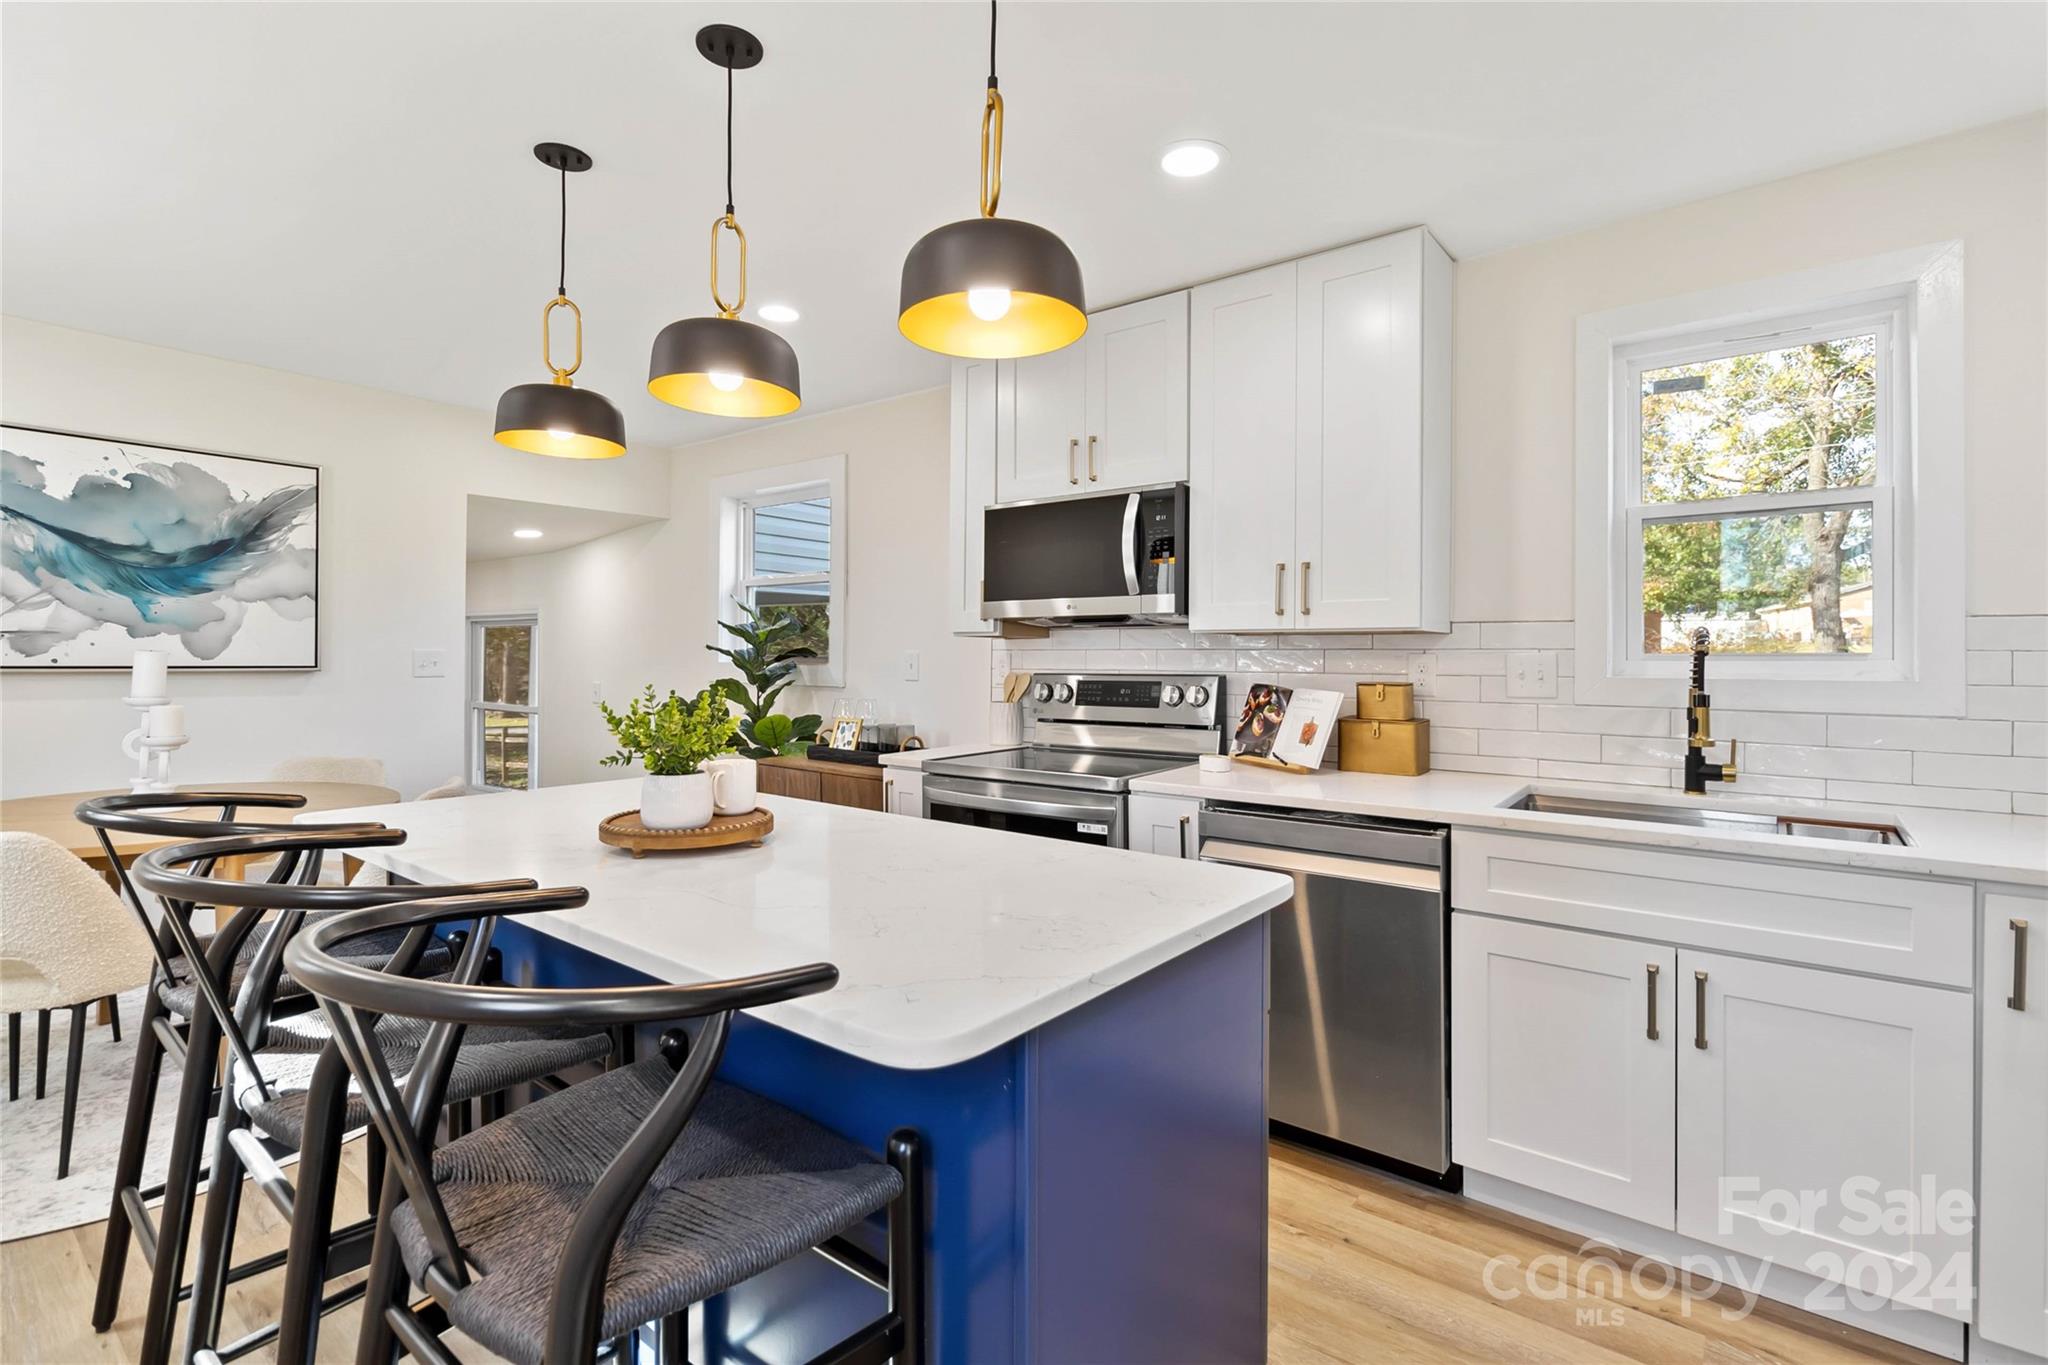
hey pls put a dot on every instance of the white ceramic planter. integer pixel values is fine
(675, 802)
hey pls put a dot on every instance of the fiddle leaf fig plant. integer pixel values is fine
(670, 737)
(766, 658)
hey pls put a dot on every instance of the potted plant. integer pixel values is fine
(671, 738)
(771, 645)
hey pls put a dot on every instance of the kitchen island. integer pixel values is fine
(1079, 1033)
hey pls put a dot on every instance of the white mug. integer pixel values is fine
(734, 789)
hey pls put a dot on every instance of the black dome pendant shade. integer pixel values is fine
(724, 366)
(989, 287)
(557, 418)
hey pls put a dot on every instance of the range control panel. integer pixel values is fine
(1177, 699)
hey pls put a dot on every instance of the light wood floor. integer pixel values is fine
(1365, 1270)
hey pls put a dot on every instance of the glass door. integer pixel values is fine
(504, 702)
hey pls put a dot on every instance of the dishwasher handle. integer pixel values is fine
(1406, 875)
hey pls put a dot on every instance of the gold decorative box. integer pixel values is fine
(1386, 701)
(1399, 748)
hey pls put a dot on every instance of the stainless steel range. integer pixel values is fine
(1089, 735)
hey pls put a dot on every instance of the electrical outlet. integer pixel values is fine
(1532, 673)
(1422, 671)
(430, 663)
(910, 665)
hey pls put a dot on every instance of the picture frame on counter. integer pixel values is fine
(845, 732)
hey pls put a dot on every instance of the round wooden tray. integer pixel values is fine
(624, 830)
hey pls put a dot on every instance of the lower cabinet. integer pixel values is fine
(1563, 1063)
(1816, 1118)
(1167, 825)
(903, 792)
(1824, 1123)
(836, 784)
(2012, 1230)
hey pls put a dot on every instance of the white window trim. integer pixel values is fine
(473, 705)
(730, 496)
(1917, 509)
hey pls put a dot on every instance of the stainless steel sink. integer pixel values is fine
(1703, 817)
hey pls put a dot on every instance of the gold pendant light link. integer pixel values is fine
(547, 340)
(991, 153)
(728, 310)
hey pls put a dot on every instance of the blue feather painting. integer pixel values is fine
(107, 547)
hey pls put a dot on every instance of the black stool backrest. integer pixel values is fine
(161, 872)
(355, 996)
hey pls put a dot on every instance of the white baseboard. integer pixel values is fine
(1916, 1327)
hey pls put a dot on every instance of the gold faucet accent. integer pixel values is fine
(1699, 726)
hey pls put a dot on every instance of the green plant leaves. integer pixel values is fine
(671, 737)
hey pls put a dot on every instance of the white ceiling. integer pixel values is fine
(493, 520)
(346, 190)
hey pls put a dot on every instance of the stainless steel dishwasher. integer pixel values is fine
(1358, 1048)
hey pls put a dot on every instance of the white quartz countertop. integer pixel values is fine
(949, 940)
(1999, 848)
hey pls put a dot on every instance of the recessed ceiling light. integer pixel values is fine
(778, 312)
(1191, 158)
(528, 533)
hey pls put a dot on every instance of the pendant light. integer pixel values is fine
(723, 365)
(557, 418)
(989, 287)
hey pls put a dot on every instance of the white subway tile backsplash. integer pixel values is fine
(1641, 752)
(1607, 720)
(2029, 668)
(1124, 660)
(1525, 635)
(1367, 663)
(1450, 739)
(1453, 688)
(1943, 798)
(2008, 703)
(1462, 635)
(2029, 803)
(1480, 715)
(1750, 784)
(1988, 667)
(1850, 765)
(1538, 744)
(1050, 660)
(1279, 661)
(1484, 763)
(1763, 727)
(1303, 640)
(1981, 770)
(2030, 738)
(1920, 732)
(1204, 661)
(2007, 632)
(1604, 772)
(1449, 661)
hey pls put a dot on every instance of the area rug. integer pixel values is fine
(32, 1199)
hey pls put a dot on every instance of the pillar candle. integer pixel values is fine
(167, 721)
(149, 676)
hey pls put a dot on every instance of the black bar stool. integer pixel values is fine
(618, 1202)
(292, 1093)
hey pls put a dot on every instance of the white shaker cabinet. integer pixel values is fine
(1167, 825)
(1319, 442)
(1241, 451)
(903, 791)
(1563, 1062)
(972, 489)
(1108, 412)
(2012, 1275)
(1846, 1093)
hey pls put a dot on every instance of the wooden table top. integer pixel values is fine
(51, 816)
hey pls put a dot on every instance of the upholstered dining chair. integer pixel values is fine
(292, 1097)
(66, 942)
(618, 1202)
(322, 768)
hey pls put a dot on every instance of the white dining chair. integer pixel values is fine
(66, 941)
(318, 768)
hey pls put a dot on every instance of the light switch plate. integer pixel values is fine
(910, 665)
(430, 663)
(1532, 673)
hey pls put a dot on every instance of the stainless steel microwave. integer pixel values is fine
(1102, 557)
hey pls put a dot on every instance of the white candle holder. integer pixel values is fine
(152, 756)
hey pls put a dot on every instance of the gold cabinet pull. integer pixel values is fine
(1304, 587)
(1091, 459)
(1184, 834)
(1652, 1030)
(1073, 446)
(2018, 999)
(1279, 590)
(1699, 1010)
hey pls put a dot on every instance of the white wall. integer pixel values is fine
(636, 607)
(1516, 313)
(395, 476)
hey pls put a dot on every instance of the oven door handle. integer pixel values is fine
(1348, 869)
(1012, 805)
(1130, 544)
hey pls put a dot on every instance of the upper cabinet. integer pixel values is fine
(1319, 442)
(1108, 412)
